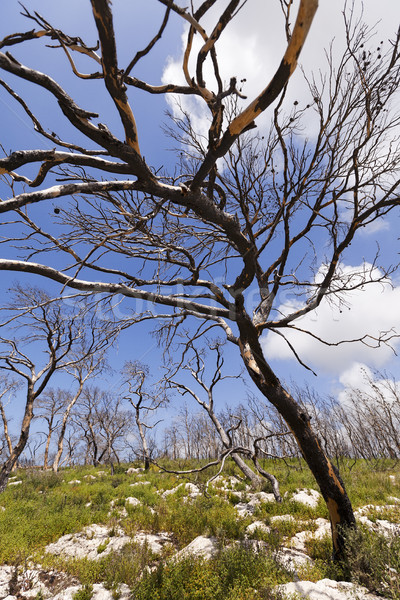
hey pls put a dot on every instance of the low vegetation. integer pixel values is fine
(46, 506)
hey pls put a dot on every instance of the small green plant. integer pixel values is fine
(101, 547)
(85, 593)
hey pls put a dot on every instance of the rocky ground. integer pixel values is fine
(95, 541)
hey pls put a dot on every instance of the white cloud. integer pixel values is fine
(359, 377)
(253, 44)
(369, 309)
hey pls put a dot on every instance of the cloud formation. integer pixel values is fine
(369, 309)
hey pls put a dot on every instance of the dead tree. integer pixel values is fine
(243, 216)
(195, 364)
(42, 325)
(50, 405)
(104, 424)
(94, 345)
(143, 402)
(9, 388)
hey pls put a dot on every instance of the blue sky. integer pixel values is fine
(249, 53)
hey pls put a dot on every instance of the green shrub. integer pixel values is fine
(373, 560)
(85, 593)
(236, 573)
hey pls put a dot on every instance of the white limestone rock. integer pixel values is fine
(132, 470)
(290, 558)
(298, 541)
(5, 576)
(257, 525)
(244, 509)
(99, 593)
(139, 483)
(155, 541)
(74, 482)
(306, 496)
(201, 546)
(14, 482)
(227, 483)
(88, 542)
(279, 518)
(263, 497)
(326, 589)
(131, 501)
(381, 526)
(394, 499)
(191, 490)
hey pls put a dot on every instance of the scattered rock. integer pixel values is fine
(201, 546)
(394, 499)
(14, 482)
(2, 509)
(132, 501)
(263, 498)
(278, 518)
(327, 589)
(290, 558)
(227, 483)
(87, 542)
(74, 482)
(381, 526)
(5, 576)
(298, 541)
(31, 583)
(244, 509)
(132, 470)
(193, 490)
(91, 477)
(257, 525)
(306, 496)
(139, 483)
(99, 593)
(156, 542)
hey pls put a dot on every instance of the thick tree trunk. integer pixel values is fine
(329, 481)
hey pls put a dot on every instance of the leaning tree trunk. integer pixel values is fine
(255, 480)
(7, 435)
(330, 483)
(12, 460)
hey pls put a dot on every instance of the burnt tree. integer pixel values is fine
(238, 215)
